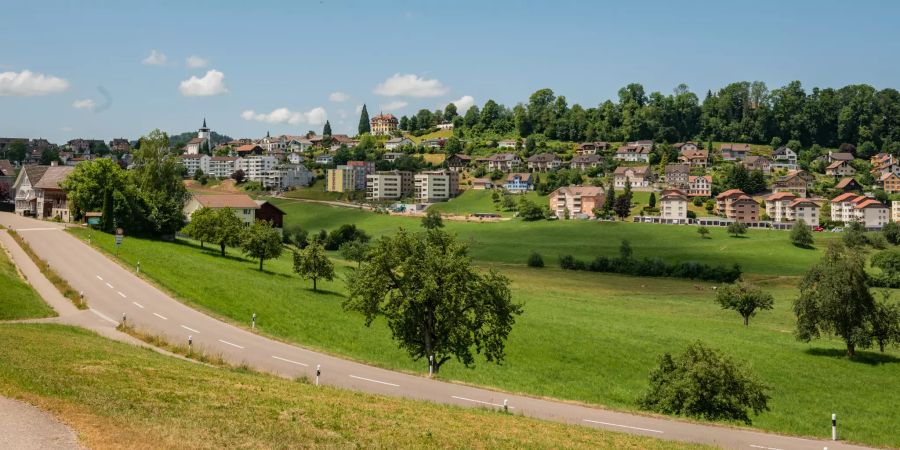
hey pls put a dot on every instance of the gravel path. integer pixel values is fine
(24, 427)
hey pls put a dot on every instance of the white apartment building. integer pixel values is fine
(192, 163)
(895, 211)
(256, 166)
(437, 186)
(850, 207)
(393, 185)
(287, 176)
(222, 166)
(673, 206)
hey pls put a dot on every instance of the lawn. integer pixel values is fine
(315, 192)
(584, 336)
(480, 201)
(120, 396)
(767, 252)
(17, 299)
(439, 134)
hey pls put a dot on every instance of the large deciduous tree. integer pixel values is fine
(312, 263)
(157, 176)
(437, 305)
(432, 219)
(201, 225)
(101, 185)
(261, 241)
(226, 229)
(744, 298)
(801, 236)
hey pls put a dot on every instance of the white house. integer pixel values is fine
(194, 162)
(324, 159)
(639, 176)
(784, 158)
(673, 206)
(395, 143)
(243, 206)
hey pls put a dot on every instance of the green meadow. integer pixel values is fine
(17, 299)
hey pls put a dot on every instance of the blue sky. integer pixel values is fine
(273, 66)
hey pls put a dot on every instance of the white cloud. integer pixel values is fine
(315, 116)
(410, 85)
(213, 83)
(463, 103)
(155, 59)
(394, 105)
(339, 96)
(196, 62)
(27, 83)
(85, 104)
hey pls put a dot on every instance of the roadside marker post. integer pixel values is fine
(253, 323)
(430, 365)
(505, 405)
(318, 372)
(190, 343)
(833, 427)
(138, 267)
(124, 320)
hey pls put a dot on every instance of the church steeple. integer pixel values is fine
(204, 122)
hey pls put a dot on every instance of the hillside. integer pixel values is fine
(119, 396)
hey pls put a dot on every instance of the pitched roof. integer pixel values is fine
(35, 173)
(735, 147)
(633, 148)
(526, 177)
(677, 168)
(584, 191)
(499, 157)
(730, 193)
(263, 202)
(247, 148)
(638, 170)
(673, 194)
(196, 140)
(53, 176)
(845, 182)
(886, 176)
(780, 196)
(869, 203)
(226, 201)
(841, 156)
(6, 168)
(845, 197)
(583, 159)
(802, 201)
(694, 178)
(836, 164)
(695, 153)
(543, 157)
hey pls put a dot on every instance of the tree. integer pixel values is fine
(744, 298)
(610, 201)
(101, 185)
(437, 305)
(891, 232)
(801, 235)
(854, 235)
(312, 263)
(652, 201)
(886, 323)
(432, 219)
(355, 250)
(888, 261)
(157, 178)
(238, 176)
(835, 299)
(453, 146)
(49, 156)
(261, 241)
(201, 225)
(226, 229)
(450, 112)
(704, 383)
(625, 250)
(529, 210)
(326, 130)
(535, 260)
(345, 233)
(736, 229)
(16, 152)
(703, 232)
(294, 234)
(365, 126)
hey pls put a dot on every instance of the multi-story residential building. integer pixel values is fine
(503, 162)
(222, 166)
(194, 162)
(760, 163)
(635, 151)
(690, 153)
(778, 204)
(699, 186)
(518, 183)
(384, 124)
(391, 185)
(639, 176)
(677, 175)
(806, 210)
(734, 152)
(840, 169)
(435, 186)
(735, 204)
(850, 207)
(508, 144)
(346, 178)
(895, 211)
(591, 148)
(398, 142)
(585, 161)
(120, 145)
(673, 206)
(255, 167)
(784, 158)
(798, 182)
(570, 202)
(890, 182)
(458, 162)
(543, 162)
(287, 176)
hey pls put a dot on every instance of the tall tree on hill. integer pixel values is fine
(610, 201)
(261, 241)
(450, 112)
(326, 131)
(365, 126)
(404, 123)
(312, 263)
(157, 176)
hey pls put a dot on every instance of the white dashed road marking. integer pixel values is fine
(289, 361)
(479, 401)
(138, 305)
(109, 285)
(231, 344)
(99, 278)
(622, 426)
(374, 381)
(161, 317)
(189, 329)
(104, 317)
(121, 294)
(764, 448)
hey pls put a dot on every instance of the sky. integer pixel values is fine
(101, 69)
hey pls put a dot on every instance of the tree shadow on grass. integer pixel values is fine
(210, 249)
(255, 269)
(324, 293)
(870, 358)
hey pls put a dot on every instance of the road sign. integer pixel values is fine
(120, 234)
(93, 221)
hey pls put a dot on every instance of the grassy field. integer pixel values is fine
(479, 201)
(17, 299)
(439, 134)
(118, 396)
(584, 336)
(315, 192)
(767, 252)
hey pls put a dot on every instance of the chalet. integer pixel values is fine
(503, 162)
(591, 148)
(38, 193)
(694, 157)
(543, 162)
(634, 152)
(458, 162)
(242, 205)
(734, 152)
(585, 161)
(840, 169)
(890, 182)
(570, 202)
(689, 146)
(518, 183)
(784, 158)
(24, 190)
(677, 175)
(848, 185)
(248, 149)
(699, 186)
(399, 142)
(839, 156)
(798, 182)
(639, 177)
(673, 206)
(760, 163)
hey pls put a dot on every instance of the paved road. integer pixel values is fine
(25, 427)
(112, 291)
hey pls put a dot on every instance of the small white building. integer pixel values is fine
(243, 206)
(400, 142)
(673, 206)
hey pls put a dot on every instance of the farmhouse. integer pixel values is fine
(458, 162)
(798, 182)
(270, 213)
(242, 205)
(570, 202)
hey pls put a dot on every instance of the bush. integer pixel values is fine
(345, 233)
(535, 260)
(704, 383)
(891, 232)
(801, 235)
(736, 229)
(691, 215)
(654, 267)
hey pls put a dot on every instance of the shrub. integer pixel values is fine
(801, 236)
(345, 233)
(567, 262)
(704, 383)
(736, 229)
(891, 232)
(535, 260)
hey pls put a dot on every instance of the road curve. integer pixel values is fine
(112, 291)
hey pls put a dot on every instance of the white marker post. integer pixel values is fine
(834, 427)
(190, 343)
(318, 372)
(430, 365)
(253, 323)
(138, 267)
(124, 320)
(505, 405)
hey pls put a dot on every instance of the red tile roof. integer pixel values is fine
(226, 201)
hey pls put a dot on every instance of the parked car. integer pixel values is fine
(837, 230)
(819, 229)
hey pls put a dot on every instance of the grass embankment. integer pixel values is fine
(480, 201)
(118, 396)
(61, 284)
(17, 299)
(584, 336)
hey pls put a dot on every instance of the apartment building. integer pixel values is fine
(850, 207)
(569, 202)
(390, 185)
(735, 204)
(256, 166)
(673, 206)
(435, 186)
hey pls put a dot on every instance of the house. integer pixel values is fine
(760, 163)
(848, 185)
(119, 145)
(895, 211)
(399, 142)
(699, 186)
(569, 202)
(634, 152)
(840, 169)
(199, 143)
(734, 152)
(392, 156)
(639, 177)
(195, 162)
(458, 162)
(7, 173)
(325, 159)
(242, 205)
(52, 202)
(435, 186)
(509, 144)
(248, 149)
(435, 144)
(694, 157)
(677, 175)
(296, 158)
(585, 161)
(839, 156)
(503, 162)
(24, 190)
(384, 124)
(784, 158)
(480, 184)
(849, 207)
(591, 148)
(270, 213)
(806, 210)
(518, 183)
(777, 206)
(673, 206)
(298, 144)
(389, 185)
(445, 126)
(798, 182)
(736, 205)
(543, 162)
(890, 182)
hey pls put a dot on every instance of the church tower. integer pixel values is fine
(203, 132)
